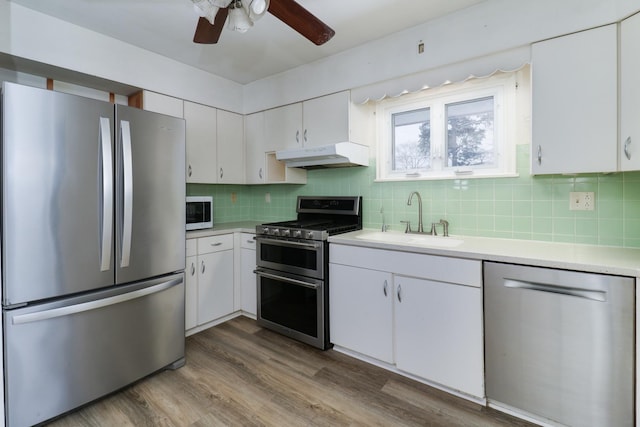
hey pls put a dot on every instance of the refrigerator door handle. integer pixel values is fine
(107, 194)
(92, 305)
(127, 220)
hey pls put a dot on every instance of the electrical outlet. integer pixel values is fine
(420, 47)
(267, 197)
(582, 201)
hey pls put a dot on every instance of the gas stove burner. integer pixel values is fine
(318, 218)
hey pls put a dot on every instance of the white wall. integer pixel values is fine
(486, 28)
(28, 34)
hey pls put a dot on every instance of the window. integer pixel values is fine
(465, 129)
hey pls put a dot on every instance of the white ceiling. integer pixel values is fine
(270, 47)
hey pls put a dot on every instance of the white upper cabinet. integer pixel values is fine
(201, 140)
(230, 148)
(254, 147)
(283, 127)
(325, 120)
(215, 145)
(630, 93)
(162, 104)
(320, 121)
(262, 167)
(575, 103)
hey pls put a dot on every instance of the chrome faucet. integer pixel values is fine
(420, 228)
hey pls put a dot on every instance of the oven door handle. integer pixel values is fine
(286, 279)
(288, 242)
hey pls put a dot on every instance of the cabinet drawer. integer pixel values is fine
(222, 242)
(434, 267)
(247, 241)
(192, 247)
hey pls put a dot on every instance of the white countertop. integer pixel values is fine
(224, 228)
(591, 258)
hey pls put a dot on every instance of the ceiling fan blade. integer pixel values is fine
(206, 33)
(301, 20)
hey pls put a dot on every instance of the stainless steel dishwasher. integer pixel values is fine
(559, 345)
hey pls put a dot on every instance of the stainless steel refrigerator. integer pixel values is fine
(93, 249)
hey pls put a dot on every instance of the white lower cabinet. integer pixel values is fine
(215, 285)
(191, 286)
(360, 310)
(438, 333)
(248, 283)
(419, 314)
(210, 288)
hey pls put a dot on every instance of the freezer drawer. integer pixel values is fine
(559, 345)
(63, 354)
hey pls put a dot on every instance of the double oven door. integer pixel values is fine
(292, 291)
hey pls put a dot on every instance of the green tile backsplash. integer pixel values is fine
(524, 207)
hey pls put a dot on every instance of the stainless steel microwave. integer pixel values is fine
(199, 212)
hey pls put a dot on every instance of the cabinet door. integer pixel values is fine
(254, 148)
(360, 306)
(630, 94)
(162, 104)
(230, 148)
(438, 333)
(574, 116)
(326, 119)
(201, 143)
(283, 127)
(215, 285)
(248, 281)
(191, 293)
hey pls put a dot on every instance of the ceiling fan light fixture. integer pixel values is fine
(201, 7)
(256, 9)
(238, 18)
(209, 8)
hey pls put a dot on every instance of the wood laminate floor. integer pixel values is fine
(238, 374)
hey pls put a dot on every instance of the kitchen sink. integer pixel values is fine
(410, 239)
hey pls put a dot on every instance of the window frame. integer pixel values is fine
(502, 87)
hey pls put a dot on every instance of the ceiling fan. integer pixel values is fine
(243, 13)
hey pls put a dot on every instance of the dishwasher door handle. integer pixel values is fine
(590, 294)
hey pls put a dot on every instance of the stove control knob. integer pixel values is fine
(265, 230)
(309, 234)
(297, 233)
(286, 233)
(275, 232)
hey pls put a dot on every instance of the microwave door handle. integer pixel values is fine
(286, 279)
(107, 194)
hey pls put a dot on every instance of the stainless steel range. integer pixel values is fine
(293, 262)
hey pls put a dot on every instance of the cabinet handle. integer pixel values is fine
(251, 242)
(399, 293)
(305, 135)
(189, 171)
(221, 173)
(193, 269)
(297, 137)
(539, 154)
(384, 288)
(216, 244)
(260, 173)
(202, 267)
(627, 153)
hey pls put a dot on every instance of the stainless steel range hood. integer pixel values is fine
(334, 155)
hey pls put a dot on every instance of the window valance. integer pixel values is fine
(480, 67)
